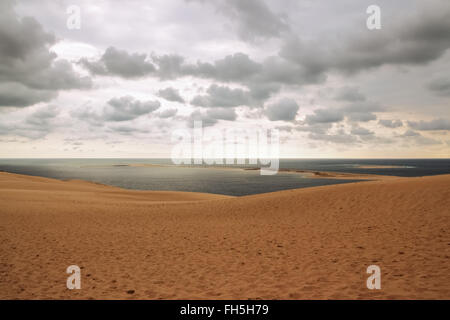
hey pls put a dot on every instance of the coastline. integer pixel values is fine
(310, 243)
(309, 173)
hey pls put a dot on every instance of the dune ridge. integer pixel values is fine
(312, 243)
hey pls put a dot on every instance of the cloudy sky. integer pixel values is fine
(136, 71)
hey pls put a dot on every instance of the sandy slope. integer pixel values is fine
(296, 244)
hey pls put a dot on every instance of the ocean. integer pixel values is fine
(229, 181)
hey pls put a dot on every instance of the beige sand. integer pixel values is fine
(296, 244)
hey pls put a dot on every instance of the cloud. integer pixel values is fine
(391, 123)
(356, 112)
(126, 130)
(318, 128)
(277, 69)
(436, 124)
(171, 94)
(440, 86)
(360, 131)
(27, 65)
(222, 96)
(362, 111)
(262, 79)
(361, 116)
(325, 116)
(253, 18)
(284, 110)
(222, 114)
(15, 94)
(36, 125)
(415, 40)
(87, 114)
(206, 120)
(350, 94)
(42, 117)
(120, 63)
(167, 113)
(418, 139)
(425, 141)
(127, 108)
(341, 137)
(235, 67)
(211, 116)
(170, 66)
(410, 133)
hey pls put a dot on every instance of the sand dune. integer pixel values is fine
(313, 243)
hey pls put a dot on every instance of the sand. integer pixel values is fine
(313, 243)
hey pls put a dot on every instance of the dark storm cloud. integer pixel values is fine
(284, 110)
(391, 123)
(436, 124)
(27, 64)
(127, 108)
(253, 19)
(171, 94)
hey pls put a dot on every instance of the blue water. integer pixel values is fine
(213, 180)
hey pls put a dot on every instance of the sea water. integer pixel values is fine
(126, 173)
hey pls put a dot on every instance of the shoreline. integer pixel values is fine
(314, 174)
(310, 173)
